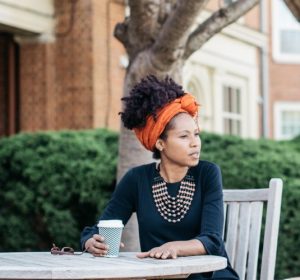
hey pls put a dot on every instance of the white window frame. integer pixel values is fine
(280, 107)
(231, 115)
(278, 56)
(232, 81)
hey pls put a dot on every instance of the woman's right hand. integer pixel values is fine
(96, 246)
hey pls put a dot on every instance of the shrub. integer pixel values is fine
(52, 184)
(251, 164)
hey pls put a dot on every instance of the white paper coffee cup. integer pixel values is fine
(111, 230)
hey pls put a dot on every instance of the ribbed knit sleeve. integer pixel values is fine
(212, 214)
(121, 205)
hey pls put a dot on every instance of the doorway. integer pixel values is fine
(9, 85)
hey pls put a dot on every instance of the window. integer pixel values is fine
(287, 120)
(194, 87)
(286, 34)
(232, 118)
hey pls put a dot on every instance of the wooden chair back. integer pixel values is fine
(243, 211)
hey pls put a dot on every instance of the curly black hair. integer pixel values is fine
(146, 98)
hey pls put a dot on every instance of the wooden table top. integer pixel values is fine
(43, 265)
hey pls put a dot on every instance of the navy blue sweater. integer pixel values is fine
(203, 221)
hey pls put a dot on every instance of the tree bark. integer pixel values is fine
(169, 46)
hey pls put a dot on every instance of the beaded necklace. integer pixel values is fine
(173, 209)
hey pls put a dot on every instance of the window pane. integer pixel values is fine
(231, 100)
(236, 127)
(225, 99)
(232, 127)
(226, 126)
(238, 101)
(290, 123)
(290, 41)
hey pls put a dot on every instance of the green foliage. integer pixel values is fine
(251, 164)
(52, 184)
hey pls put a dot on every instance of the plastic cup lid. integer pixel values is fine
(110, 223)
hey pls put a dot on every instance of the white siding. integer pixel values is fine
(31, 16)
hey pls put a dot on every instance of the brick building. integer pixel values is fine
(284, 65)
(60, 64)
(61, 68)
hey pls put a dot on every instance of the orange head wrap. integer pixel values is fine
(149, 134)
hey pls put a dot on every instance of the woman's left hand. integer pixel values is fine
(167, 251)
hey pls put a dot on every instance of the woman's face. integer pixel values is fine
(182, 144)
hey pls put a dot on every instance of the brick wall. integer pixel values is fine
(74, 66)
(284, 80)
(108, 74)
(116, 72)
(251, 19)
(32, 87)
(284, 86)
(64, 84)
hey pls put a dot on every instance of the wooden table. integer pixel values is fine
(43, 265)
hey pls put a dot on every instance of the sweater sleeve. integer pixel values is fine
(212, 212)
(121, 205)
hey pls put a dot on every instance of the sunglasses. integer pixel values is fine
(65, 251)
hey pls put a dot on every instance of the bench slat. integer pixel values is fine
(243, 239)
(256, 217)
(246, 195)
(232, 231)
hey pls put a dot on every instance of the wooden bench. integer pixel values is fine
(243, 211)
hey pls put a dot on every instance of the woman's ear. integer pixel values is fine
(159, 144)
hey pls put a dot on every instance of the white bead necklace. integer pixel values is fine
(173, 209)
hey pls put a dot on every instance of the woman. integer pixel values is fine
(178, 201)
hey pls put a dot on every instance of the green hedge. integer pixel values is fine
(251, 164)
(53, 184)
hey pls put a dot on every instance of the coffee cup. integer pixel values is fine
(111, 230)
